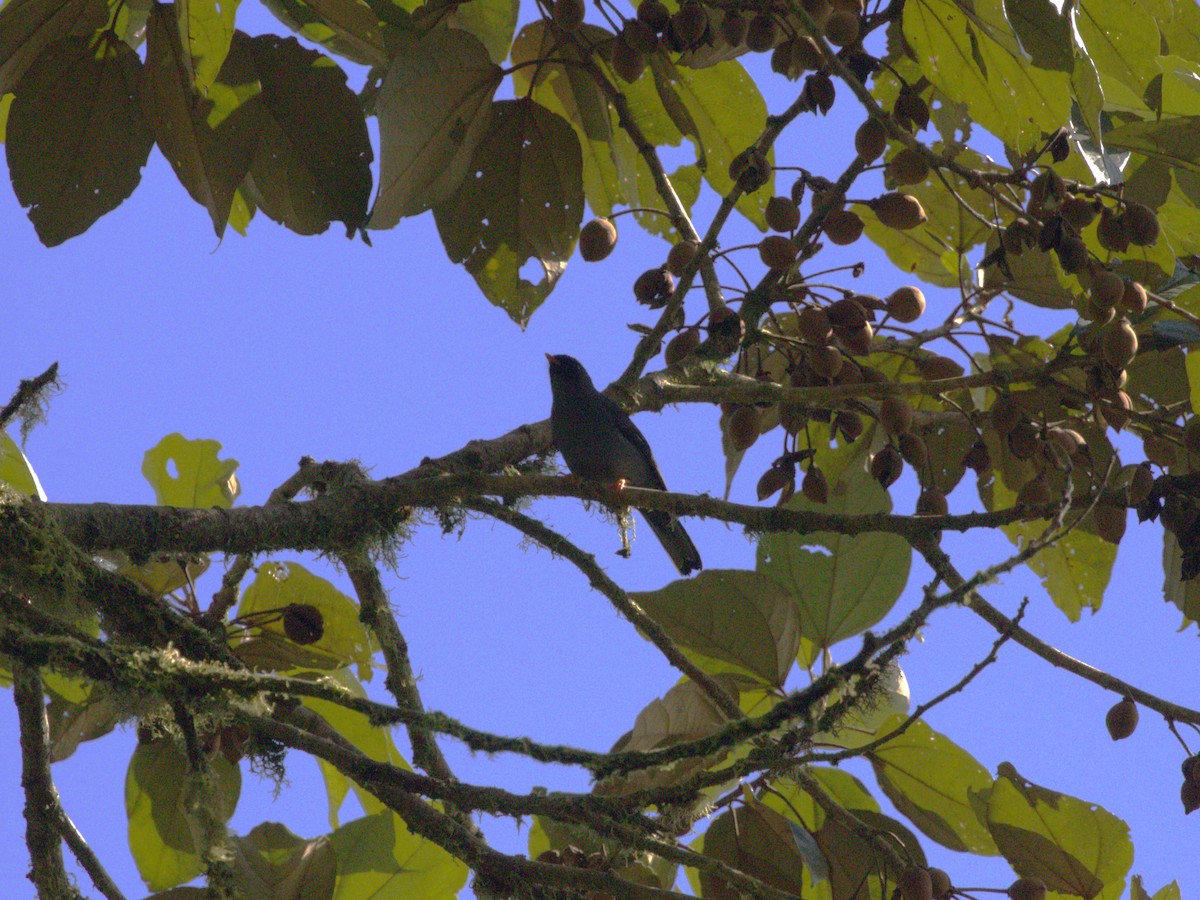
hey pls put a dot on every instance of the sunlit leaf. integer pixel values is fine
(271, 863)
(377, 856)
(742, 618)
(841, 584)
(189, 473)
(1074, 846)
(15, 469)
(927, 776)
(205, 30)
(159, 792)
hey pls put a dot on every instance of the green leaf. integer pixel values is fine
(684, 713)
(313, 164)
(728, 112)
(1129, 54)
(1045, 33)
(27, 27)
(15, 470)
(754, 839)
(272, 863)
(841, 584)
(1074, 570)
(76, 140)
(158, 797)
(1174, 141)
(492, 21)
(524, 201)
(73, 722)
(742, 618)
(971, 55)
(927, 776)
(205, 31)
(349, 28)
(1074, 846)
(209, 161)
(377, 856)
(434, 107)
(344, 641)
(199, 480)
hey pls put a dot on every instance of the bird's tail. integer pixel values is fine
(675, 540)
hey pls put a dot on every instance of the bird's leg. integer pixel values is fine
(625, 523)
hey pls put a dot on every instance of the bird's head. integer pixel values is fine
(567, 372)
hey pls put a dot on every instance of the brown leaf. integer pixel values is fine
(27, 27)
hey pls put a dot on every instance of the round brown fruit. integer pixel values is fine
(653, 288)
(733, 28)
(681, 345)
(680, 256)
(870, 140)
(941, 883)
(776, 478)
(815, 485)
(655, 14)
(806, 53)
(824, 360)
(568, 14)
(1110, 525)
(1119, 344)
(743, 427)
(814, 325)
(1027, 889)
(689, 23)
(908, 166)
(1107, 288)
(1141, 224)
(932, 502)
(782, 214)
(857, 341)
(597, 239)
(1121, 719)
(819, 92)
(887, 465)
(1072, 254)
(843, 226)
(842, 28)
(1024, 441)
(1133, 298)
(777, 251)
(1141, 483)
(761, 33)
(628, 63)
(1190, 795)
(849, 425)
(1160, 451)
(906, 304)
(1111, 232)
(847, 313)
(915, 883)
(725, 331)
(750, 169)
(913, 449)
(1078, 212)
(978, 459)
(899, 211)
(303, 623)
(895, 415)
(640, 36)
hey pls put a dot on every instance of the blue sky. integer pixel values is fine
(281, 346)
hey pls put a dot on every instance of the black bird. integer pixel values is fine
(599, 442)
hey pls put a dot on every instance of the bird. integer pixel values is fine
(599, 441)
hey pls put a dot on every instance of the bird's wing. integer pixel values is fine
(630, 432)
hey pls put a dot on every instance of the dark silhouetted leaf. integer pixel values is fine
(348, 28)
(434, 107)
(523, 199)
(29, 26)
(758, 841)
(209, 161)
(313, 164)
(76, 138)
